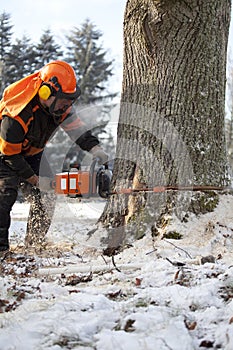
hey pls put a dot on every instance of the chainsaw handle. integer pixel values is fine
(91, 176)
(103, 179)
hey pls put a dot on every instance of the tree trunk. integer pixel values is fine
(171, 125)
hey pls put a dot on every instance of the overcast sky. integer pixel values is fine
(61, 16)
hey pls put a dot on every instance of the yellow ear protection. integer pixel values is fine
(46, 90)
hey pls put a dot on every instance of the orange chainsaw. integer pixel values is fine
(96, 182)
(84, 183)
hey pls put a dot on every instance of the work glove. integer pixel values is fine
(98, 153)
(33, 180)
(45, 184)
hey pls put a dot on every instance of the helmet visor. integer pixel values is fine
(61, 105)
(63, 101)
(69, 96)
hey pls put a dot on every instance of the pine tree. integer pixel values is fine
(21, 59)
(47, 50)
(5, 44)
(89, 60)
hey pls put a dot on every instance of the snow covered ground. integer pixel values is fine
(162, 296)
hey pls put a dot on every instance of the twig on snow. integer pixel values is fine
(179, 248)
(114, 264)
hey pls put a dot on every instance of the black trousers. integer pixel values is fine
(41, 204)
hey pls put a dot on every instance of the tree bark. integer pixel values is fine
(171, 125)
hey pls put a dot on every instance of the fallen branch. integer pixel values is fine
(85, 269)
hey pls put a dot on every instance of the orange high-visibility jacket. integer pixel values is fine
(25, 126)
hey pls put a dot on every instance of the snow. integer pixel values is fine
(160, 296)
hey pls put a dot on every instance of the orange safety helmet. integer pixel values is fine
(59, 80)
